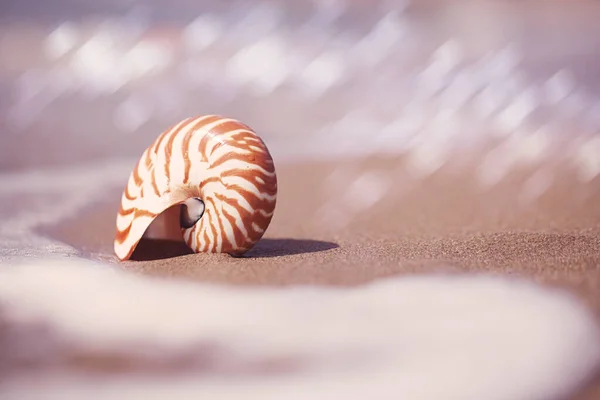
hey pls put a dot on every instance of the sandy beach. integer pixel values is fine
(445, 224)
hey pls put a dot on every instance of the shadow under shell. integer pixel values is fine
(163, 239)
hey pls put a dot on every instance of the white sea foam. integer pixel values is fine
(62, 192)
(413, 338)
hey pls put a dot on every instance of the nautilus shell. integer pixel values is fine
(221, 174)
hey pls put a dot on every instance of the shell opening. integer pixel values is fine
(190, 212)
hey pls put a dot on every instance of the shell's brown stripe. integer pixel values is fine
(226, 157)
(249, 158)
(252, 199)
(209, 180)
(245, 215)
(208, 136)
(124, 212)
(227, 245)
(144, 213)
(237, 145)
(251, 141)
(154, 171)
(229, 126)
(213, 231)
(269, 187)
(128, 195)
(240, 238)
(186, 159)
(196, 233)
(207, 242)
(255, 140)
(209, 120)
(250, 137)
(215, 147)
(261, 221)
(222, 129)
(253, 174)
(266, 162)
(225, 128)
(162, 136)
(205, 238)
(148, 162)
(199, 248)
(158, 141)
(202, 147)
(269, 181)
(136, 175)
(248, 217)
(169, 145)
(155, 186)
(168, 152)
(122, 234)
(151, 169)
(185, 148)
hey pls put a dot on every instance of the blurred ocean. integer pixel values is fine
(91, 331)
(83, 81)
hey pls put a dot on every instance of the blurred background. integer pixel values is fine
(512, 82)
(387, 120)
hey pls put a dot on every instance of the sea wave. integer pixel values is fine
(426, 337)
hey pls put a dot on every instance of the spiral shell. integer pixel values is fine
(214, 164)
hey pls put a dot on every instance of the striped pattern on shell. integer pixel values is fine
(212, 158)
